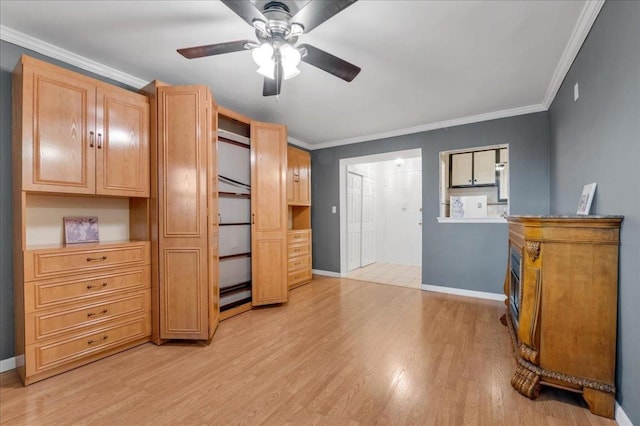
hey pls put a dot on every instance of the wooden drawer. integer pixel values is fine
(295, 250)
(299, 236)
(56, 292)
(43, 356)
(301, 262)
(42, 325)
(299, 276)
(47, 263)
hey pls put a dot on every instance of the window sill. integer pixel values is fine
(471, 220)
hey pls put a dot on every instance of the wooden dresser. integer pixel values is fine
(562, 291)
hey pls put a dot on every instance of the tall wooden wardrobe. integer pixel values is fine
(185, 216)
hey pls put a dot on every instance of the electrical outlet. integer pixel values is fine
(333, 209)
(576, 92)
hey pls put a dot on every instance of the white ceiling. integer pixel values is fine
(425, 64)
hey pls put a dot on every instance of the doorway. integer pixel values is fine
(381, 224)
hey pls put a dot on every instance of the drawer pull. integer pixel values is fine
(91, 286)
(92, 342)
(92, 259)
(93, 314)
(297, 263)
(296, 250)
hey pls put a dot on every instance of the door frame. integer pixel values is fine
(344, 164)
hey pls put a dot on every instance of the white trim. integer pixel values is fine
(326, 273)
(298, 142)
(471, 220)
(7, 364)
(464, 292)
(16, 37)
(580, 31)
(434, 126)
(621, 416)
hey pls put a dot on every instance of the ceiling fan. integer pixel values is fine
(277, 32)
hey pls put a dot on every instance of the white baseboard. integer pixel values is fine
(326, 273)
(621, 416)
(7, 364)
(463, 292)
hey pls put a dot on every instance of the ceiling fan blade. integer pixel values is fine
(272, 86)
(316, 12)
(246, 10)
(329, 63)
(213, 49)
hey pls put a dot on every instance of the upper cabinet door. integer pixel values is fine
(122, 143)
(58, 129)
(304, 178)
(484, 167)
(269, 213)
(462, 169)
(298, 177)
(292, 170)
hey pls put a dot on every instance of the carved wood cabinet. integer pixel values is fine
(562, 289)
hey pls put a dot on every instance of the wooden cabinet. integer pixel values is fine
(186, 229)
(562, 290)
(268, 213)
(298, 177)
(80, 304)
(76, 303)
(80, 135)
(299, 221)
(476, 168)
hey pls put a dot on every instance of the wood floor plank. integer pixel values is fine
(341, 352)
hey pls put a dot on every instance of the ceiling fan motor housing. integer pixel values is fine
(278, 29)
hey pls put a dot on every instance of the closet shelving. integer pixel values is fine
(234, 192)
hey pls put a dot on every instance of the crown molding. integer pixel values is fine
(529, 109)
(580, 32)
(298, 142)
(28, 42)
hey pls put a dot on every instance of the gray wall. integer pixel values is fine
(597, 139)
(468, 256)
(9, 56)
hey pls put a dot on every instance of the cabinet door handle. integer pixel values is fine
(99, 140)
(91, 259)
(91, 341)
(219, 218)
(91, 286)
(253, 218)
(92, 139)
(93, 314)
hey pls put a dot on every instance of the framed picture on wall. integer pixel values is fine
(586, 198)
(80, 229)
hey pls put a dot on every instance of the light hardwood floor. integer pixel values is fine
(341, 352)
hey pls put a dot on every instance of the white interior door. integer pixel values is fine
(403, 222)
(369, 236)
(354, 220)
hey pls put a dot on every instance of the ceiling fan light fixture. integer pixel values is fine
(263, 55)
(268, 70)
(290, 57)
